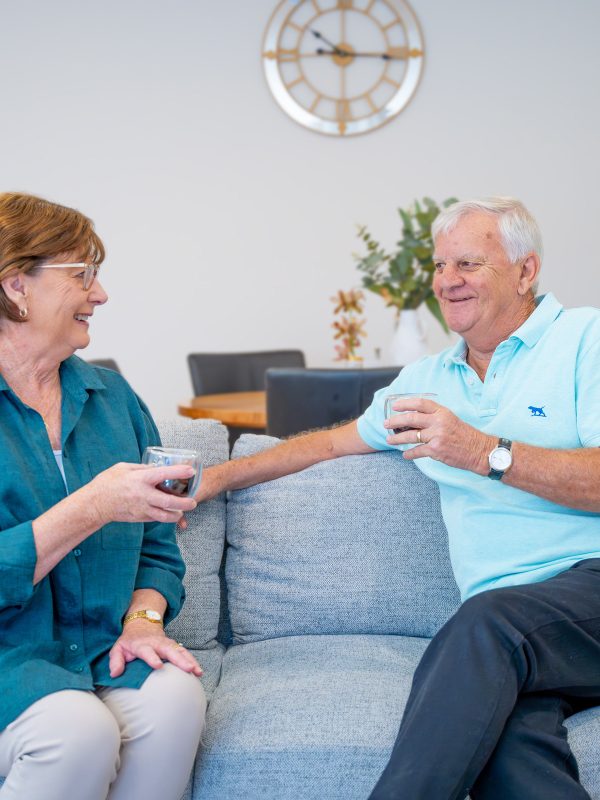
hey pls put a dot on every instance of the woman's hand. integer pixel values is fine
(148, 641)
(128, 493)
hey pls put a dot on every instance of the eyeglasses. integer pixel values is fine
(88, 275)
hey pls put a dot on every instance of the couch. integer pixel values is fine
(334, 580)
(310, 621)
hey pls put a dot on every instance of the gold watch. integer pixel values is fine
(147, 614)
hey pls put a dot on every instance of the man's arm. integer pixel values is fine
(567, 477)
(290, 456)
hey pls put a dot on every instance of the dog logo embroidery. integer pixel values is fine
(537, 411)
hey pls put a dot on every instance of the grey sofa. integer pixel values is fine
(336, 579)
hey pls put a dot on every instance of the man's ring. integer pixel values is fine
(419, 437)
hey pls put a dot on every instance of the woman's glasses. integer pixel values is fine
(88, 273)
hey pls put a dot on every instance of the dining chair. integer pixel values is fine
(304, 399)
(219, 373)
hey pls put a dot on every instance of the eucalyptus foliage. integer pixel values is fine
(404, 277)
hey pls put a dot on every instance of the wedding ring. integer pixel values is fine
(179, 645)
(419, 437)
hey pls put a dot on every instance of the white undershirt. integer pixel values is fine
(61, 466)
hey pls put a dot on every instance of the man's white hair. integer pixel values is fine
(519, 231)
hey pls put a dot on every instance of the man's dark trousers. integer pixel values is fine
(489, 697)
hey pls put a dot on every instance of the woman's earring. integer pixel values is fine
(23, 312)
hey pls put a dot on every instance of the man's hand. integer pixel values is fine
(148, 641)
(440, 434)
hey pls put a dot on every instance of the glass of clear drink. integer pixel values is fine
(168, 456)
(392, 398)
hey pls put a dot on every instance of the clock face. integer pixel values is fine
(343, 67)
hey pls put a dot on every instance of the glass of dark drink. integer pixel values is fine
(169, 456)
(391, 399)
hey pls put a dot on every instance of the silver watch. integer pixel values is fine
(500, 459)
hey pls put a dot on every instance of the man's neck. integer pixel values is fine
(480, 350)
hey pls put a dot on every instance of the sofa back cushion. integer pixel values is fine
(353, 545)
(201, 544)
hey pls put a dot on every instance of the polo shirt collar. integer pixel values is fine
(547, 309)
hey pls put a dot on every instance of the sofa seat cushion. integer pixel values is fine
(349, 546)
(584, 738)
(315, 717)
(308, 717)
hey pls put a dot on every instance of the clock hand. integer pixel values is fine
(335, 51)
(384, 56)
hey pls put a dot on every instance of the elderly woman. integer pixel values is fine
(96, 701)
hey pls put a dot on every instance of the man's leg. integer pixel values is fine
(522, 639)
(160, 725)
(64, 745)
(533, 759)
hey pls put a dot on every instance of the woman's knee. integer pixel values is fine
(84, 728)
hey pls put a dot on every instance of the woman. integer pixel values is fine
(96, 701)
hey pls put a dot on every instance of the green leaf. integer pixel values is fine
(433, 305)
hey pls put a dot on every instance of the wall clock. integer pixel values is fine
(343, 67)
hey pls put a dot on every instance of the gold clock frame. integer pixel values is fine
(344, 124)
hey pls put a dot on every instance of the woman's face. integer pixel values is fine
(59, 308)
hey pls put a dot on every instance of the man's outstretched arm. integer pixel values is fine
(290, 456)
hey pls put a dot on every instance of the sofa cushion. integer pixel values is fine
(201, 544)
(308, 717)
(353, 545)
(584, 736)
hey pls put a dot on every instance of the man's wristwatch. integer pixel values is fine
(500, 459)
(146, 613)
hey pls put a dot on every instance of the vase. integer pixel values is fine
(408, 343)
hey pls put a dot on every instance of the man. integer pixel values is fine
(513, 444)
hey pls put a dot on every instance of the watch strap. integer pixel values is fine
(143, 614)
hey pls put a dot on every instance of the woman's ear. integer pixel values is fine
(15, 288)
(530, 269)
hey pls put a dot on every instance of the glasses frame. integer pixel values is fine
(89, 276)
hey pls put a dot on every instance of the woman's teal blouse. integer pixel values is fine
(57, 634)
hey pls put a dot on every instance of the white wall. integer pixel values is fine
(227, 225)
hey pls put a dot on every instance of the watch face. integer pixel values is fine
(500, 459)
(343, 67)
(153, 615)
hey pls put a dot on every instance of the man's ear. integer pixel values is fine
(530, 270)
(15, 288)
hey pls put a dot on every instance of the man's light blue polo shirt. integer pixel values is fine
(542, 388)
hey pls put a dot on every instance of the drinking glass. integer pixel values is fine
(391, 399)
(167, 456)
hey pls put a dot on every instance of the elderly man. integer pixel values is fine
(512, 441)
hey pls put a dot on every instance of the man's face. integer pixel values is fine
(475, 283)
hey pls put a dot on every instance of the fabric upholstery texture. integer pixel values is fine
(201, 544)
(308, 717)
(355, 545)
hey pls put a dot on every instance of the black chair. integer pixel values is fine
(218, 373)
(304, 399)
(109, 363)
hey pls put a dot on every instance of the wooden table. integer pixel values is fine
(235, 409)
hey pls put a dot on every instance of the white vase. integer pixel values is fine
(408, 343)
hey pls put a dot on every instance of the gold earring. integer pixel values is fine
(23, 312)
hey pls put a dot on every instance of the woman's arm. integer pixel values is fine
(123, 493)
(147, 640)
